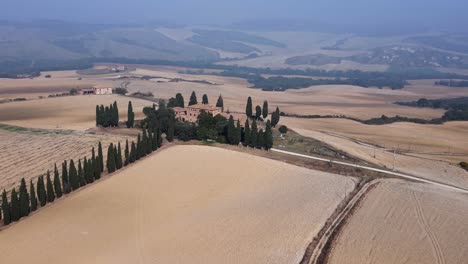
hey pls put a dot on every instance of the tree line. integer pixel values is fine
(74, 176)
(261, 113)
(178, 100)
(108, 116)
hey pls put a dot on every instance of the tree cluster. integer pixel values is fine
(107, 116)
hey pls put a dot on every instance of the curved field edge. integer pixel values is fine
(404, 222)
(239, 208)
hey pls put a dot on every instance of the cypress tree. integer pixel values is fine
(50, 189)
(98, 116)
(170, 131)
(205, 99)
(154, 141)
(144, 143)
(138, 147)
(91, 165)
(220, 102)
(130, 115)
(193, 99)
(116, 157)
(149, 148)
(119, 155)
(65, 179)
(100, 158)
(180, 100)
(115, 114)
(73, 175)
(260, 139)
(258, 112)
(6, 209)
(127, 153)
(238, 133)
(247, 133)
(15, 206)
(253, 134)
(275, 117)
(107, 116)
(24, 199)
(265, 109)
(81, 177)
(110, 159)
(133, 154)
(96, 163)
(86, 172)
(268, 136)
(231, 131)
(32, 196)
(41, 192)
(159, 138)
(248, 108)
(57, 183)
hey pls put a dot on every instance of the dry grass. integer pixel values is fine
(71, 112)
(405, 223)
(427, 138)
(158, 211)
(30, 154)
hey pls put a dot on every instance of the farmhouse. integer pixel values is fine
(191, 113)
(98, 90)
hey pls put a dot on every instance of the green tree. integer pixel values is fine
(110, 159)
(50, 189)
(261, 139)
(32, 198)
(73, 175)
(100, 157)
(96, 163)
(253, 134)
(119, 163)
(231, 131)
(155, 141)
(238, 132)
(65, 180)
(87, 173)
(180, 100)
(115, 114)
(81, 177)
(248, 108)
(205, 99)
(15, 206)
(6, 209)
(130, 115)
(268, 136)
(57, 183)
(265, 109)
(275, 117)
(220, 102)
(126, 153)
(170, 131)
(193, 99)
(258, 112)
(246, 133)
(98, 116)
(24, 199)
(133, 153)
(41, 192)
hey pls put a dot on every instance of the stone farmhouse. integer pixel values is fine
(191, 113)
(97, 90)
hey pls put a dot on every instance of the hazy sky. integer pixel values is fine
(440, 14)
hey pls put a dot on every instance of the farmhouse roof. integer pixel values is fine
(204, 107)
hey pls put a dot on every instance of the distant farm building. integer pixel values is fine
(191, 113)
(118, 68)
(97, 90)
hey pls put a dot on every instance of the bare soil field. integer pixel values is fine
(30, 154)
(401, 222)
(405, 137)
(71, 112)
(433, 169)
(158, 211)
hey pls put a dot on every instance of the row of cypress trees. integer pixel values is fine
(258, 138)
(23, 202)
(107, 116)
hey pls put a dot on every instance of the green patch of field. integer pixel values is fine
(11, 128)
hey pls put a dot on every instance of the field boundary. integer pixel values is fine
(317, 251)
